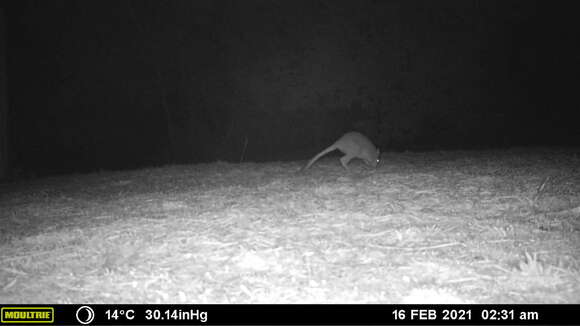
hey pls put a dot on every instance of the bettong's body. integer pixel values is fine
(354, 145)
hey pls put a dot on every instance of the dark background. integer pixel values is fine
(124, 84)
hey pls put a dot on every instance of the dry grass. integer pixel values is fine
(455, 227)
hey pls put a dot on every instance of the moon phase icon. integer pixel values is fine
(85, 315)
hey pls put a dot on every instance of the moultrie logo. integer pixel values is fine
(19, 315)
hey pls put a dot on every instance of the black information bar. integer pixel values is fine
(300, 314)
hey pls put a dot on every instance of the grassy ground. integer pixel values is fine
(443, 227)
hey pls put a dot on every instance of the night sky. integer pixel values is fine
(105, 85)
